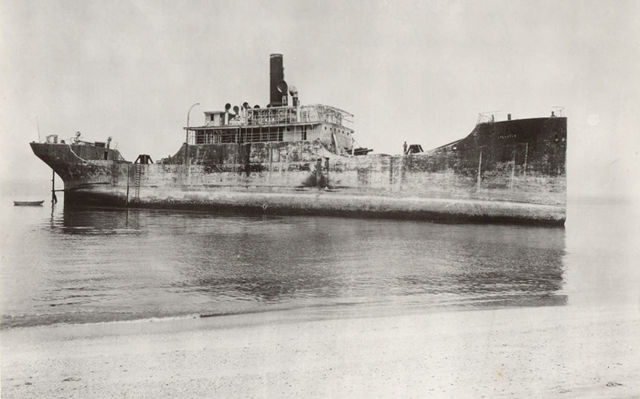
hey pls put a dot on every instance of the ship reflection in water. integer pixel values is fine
(101, 265)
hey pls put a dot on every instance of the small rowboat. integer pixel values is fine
(28, 203)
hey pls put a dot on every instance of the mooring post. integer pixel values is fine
(54, 199)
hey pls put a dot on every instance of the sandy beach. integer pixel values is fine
(533, 352)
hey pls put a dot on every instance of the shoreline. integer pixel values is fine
(312, 311)
(566, 351)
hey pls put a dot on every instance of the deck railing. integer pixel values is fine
(292, 115)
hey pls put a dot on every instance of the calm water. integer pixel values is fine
(77, 266)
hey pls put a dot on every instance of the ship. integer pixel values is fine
(287, 158)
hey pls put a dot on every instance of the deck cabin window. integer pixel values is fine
(241, 135)
(256, 134)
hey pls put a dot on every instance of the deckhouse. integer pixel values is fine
(278, 121)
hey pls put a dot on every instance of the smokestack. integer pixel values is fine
(277, 79)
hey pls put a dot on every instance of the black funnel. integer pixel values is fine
(277, 76)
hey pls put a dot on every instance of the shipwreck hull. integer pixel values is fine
(484, 183)
(333, 204)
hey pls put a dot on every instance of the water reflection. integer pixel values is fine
(91, 221)
(96, 264)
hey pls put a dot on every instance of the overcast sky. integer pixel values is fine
(419, 71)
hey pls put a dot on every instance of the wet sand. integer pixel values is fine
(534, 352)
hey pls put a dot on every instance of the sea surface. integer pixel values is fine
(99, 265)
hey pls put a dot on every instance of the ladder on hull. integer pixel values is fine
(138, 165)
(137, 176)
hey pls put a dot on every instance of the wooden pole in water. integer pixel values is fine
(53, 187)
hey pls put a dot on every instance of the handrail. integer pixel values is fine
(284, 116)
